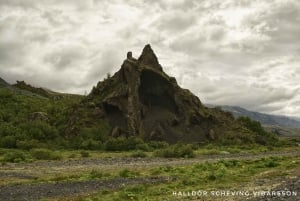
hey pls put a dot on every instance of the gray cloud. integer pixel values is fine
(175, 22)
(102, 64)
(17, 3)
(65, 57)
(242, 53)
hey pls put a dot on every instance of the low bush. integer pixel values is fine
(29, 144)
(176, 151)
(127, 173)
(262, 136)
(14, 157)
(212, 177)
(84, 154)
(123, 144)
(8, 142)
(158, 144)
(45, 154)
(95, 174)
(139, 154)
(144, 147)
(91, 144)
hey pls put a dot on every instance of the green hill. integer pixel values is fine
(30, 120)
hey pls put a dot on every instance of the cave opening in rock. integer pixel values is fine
(156, 92)
(115, 115)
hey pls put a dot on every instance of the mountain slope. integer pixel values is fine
(142, 100)
(265, 119)
(3, 83)
(29, 120)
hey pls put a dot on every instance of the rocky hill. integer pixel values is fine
(142, 100)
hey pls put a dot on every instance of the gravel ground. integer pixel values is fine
(288, 186)
(33, 192)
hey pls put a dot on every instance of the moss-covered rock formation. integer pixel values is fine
(142, 100)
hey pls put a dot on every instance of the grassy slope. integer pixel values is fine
(16, 123)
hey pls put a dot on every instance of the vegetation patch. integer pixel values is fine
(15, 156)
(176, 151)
(223, 174)
(138, 154)
(45, 154)
(85, 154)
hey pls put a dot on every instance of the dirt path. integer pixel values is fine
(46, 190)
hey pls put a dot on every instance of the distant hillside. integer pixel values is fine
(39, 91)
(265, 119)
(3, 83)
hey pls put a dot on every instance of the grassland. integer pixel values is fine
(126, 176)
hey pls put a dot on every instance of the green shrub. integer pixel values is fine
(230, 163)
(39, 130)
(158, 144)
(45, 154)
(237, 137)
(123, 144)
(85, 154)
(262, 137)
(14, 157)
(8, 142)
(91, 144)
(139, 154)
(267, 162)
(127, 173)
(72, 156)
(97, 134)
(271, 164)
(176, 151)
(144, 147)
(29, 144)
(212, 177)
(115, 144)
(95, 174)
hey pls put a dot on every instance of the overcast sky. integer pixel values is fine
(229, 52)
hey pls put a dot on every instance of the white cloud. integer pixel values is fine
(242, 52)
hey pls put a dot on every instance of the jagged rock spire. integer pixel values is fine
(141, 100)
(149, 59)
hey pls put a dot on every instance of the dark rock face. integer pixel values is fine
(141, 100)
(149, 59)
